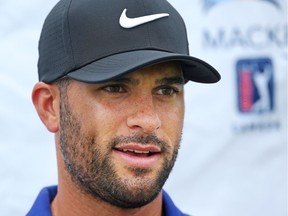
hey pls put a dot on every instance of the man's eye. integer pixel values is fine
(114, 88)
(167, 91)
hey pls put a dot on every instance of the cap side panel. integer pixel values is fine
(54, 58)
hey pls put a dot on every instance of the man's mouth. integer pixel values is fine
(139, 150)
(138, 155)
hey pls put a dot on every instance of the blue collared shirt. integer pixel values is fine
(41, 206)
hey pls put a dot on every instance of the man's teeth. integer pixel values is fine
(135, 151)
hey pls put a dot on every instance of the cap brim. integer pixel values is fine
(112, 67)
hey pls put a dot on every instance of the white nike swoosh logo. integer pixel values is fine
(127, 22)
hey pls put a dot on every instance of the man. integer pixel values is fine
(111, 88)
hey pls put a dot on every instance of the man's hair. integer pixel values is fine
(63, 84)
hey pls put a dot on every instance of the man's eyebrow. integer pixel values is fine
(171, 80)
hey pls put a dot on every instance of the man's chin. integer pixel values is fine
(130, 193)
(135, 199)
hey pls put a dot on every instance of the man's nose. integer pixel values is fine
(144, 116)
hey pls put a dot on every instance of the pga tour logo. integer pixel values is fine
(255, 85)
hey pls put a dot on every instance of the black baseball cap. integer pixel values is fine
(96, 41)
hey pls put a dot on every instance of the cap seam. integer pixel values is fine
(69, 34)
(147, 26)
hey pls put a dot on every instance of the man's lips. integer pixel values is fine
(138, 155)
(138, 148)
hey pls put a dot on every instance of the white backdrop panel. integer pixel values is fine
(232, 160)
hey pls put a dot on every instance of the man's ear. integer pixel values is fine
(46, 100)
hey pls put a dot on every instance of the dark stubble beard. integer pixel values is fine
(92, 170)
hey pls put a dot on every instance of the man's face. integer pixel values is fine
(119, 140)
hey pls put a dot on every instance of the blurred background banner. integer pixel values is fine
(233, 156)
(233, 159)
